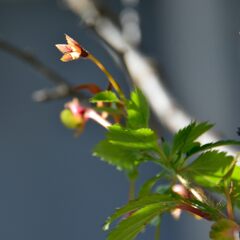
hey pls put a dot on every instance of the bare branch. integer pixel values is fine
(34, 62)
(43, 95)
(62, 89)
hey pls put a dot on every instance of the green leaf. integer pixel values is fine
(105, 96)
(129, 228)
(210, 146)
(121, 157)
(236, 174)
(148, 185)
(164, 202)
(224, 229)
(143, 138)
(184, 140)
(126, 148)
(235, 192)
(210, 168)
(164, 188)
(137, 111)
(142, 211)
(166, 148)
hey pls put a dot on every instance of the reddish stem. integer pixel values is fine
(195, 211)
(91, 87)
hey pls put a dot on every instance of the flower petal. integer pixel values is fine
(70, 56)
(66, 57)
(64, 48)
(72, 42)
(76, 47)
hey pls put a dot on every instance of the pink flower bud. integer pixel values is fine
(72, 50)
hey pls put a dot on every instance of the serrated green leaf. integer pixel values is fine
(143, 138)
(184, 140)
(164, 201)
(129, 228)
(126, 148)
(137, 111)
(224, 229)
(105, 96)
(210, 146)
(210, 168)
(144, 210)
(120, 157)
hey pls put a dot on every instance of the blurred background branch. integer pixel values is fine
(139, 68)
(62, 89)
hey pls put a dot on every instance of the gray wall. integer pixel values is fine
(50, 186)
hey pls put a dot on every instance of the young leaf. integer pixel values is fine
(148, 185)
(137, 111)
(121, 157)
(105, 96)
(224, 229)
(143, 210)
(143, 138)
(210, 168)
(184, 140)
(129, 228)
(164, 202)
(210, 146)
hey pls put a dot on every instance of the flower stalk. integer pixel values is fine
(108, 75)
(74, 51)
(91, 114)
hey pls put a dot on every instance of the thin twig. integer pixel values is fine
(62, 89)
(158, 230)
(132, 186)
(34, 62)
(230, 211)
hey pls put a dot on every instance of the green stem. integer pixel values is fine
(131, 195)
(157, 231)
(162, 156)
(230, 211)
(109, 76)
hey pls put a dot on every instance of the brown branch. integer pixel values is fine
(34, 62)
(195, 211)
(62, 89)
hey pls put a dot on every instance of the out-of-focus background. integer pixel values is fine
(50, 185)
